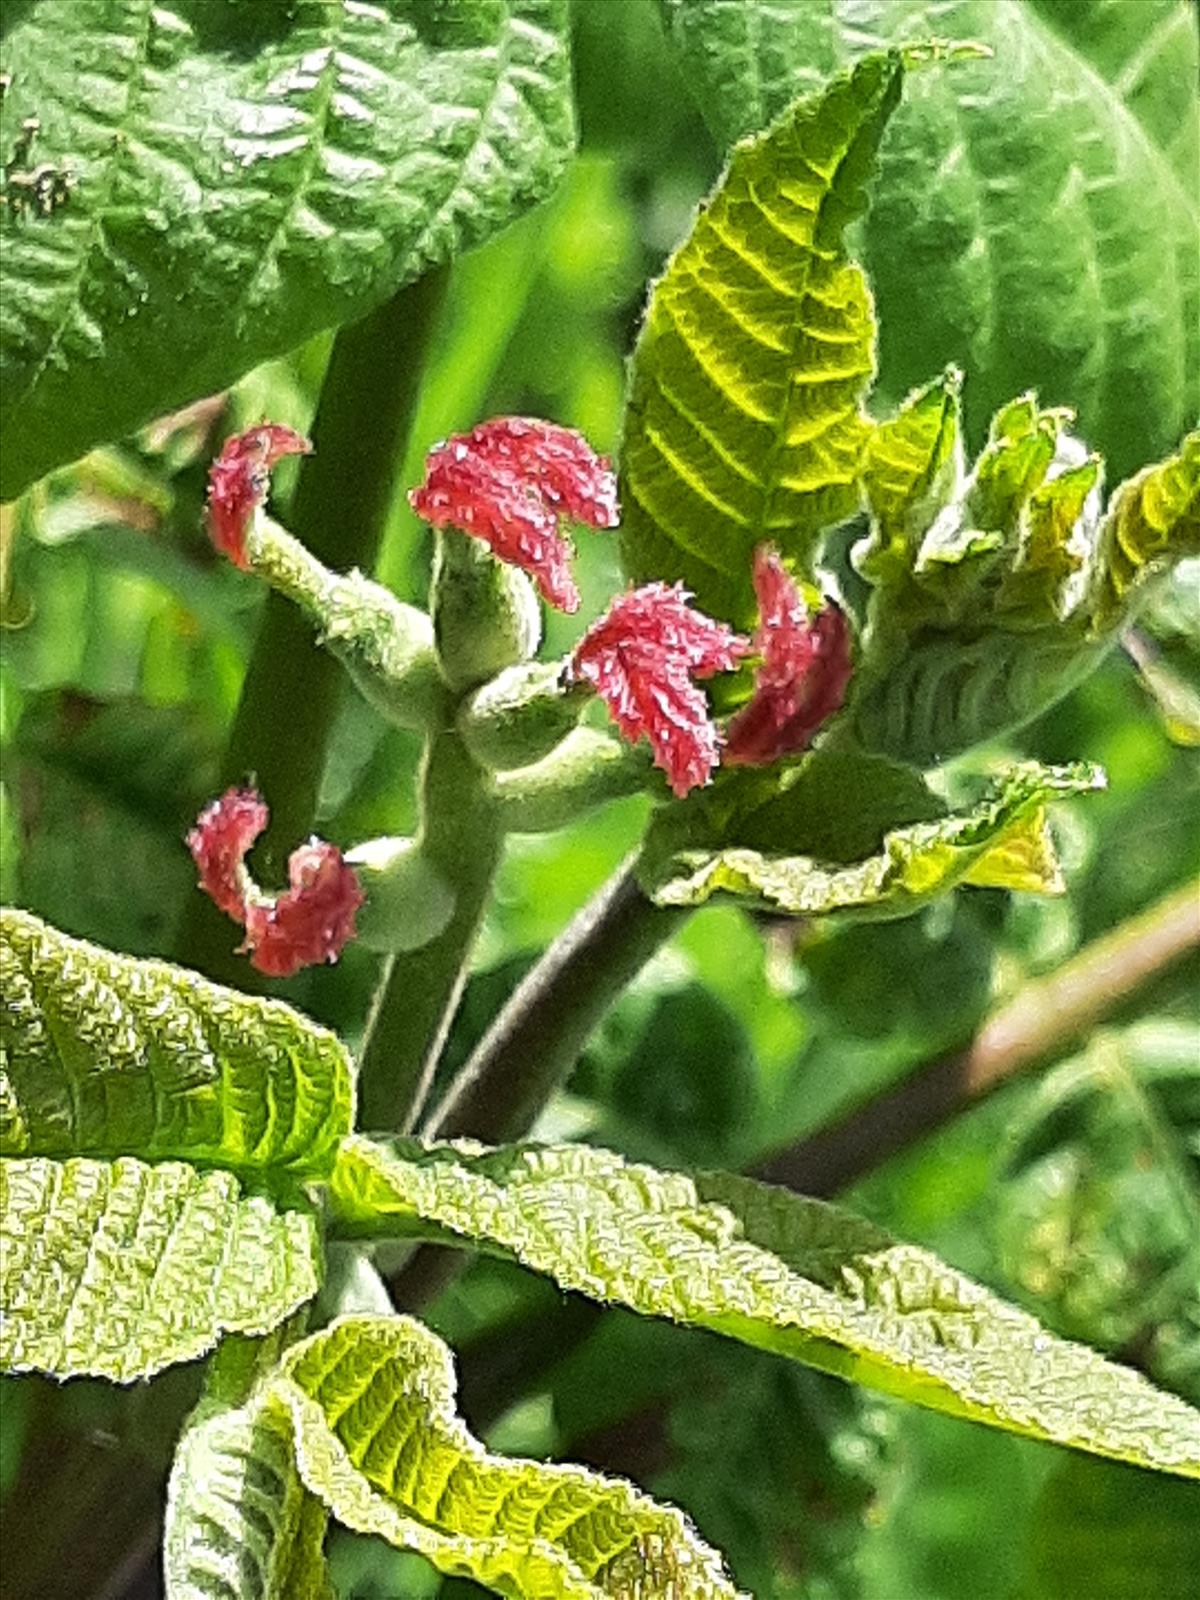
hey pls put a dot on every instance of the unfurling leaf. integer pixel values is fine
(1008, 229)
(768, 1267)
(796, 854)
(993, 593)
(744, 421)
(378, 1439)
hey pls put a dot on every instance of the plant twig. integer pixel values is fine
(1040, 1023)
(419, 990)
(537, 1037)
(290, 694)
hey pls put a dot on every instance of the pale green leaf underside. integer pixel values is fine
(1035, 218)
(106, 1055)
(116, 1269)
(372, 1403)
(240, 1525)
(1002, 842)
(744, 418)
(246, 175)
(772, 1269)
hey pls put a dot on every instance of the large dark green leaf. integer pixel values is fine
(1035, 216)
(243, 176)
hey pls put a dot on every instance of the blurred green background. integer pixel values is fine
(1076, 1193)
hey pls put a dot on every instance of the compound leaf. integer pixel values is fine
(1050, 279)
(106, 1055)
(744, 420)
(773, 1269)
(116, 1269)
(372, 1403)
(210, 183)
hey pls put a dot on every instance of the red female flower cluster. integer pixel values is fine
(804, 672)
(641, 658)
(309, 922)
(238, 479)
(512, 482)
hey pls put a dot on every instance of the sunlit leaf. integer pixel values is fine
(119, 1268)
(744, 419)
(1000, 842)
(769, 1267)
(378, 1439)
(106, 1055)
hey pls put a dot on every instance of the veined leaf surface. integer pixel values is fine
(372, 1403)
(240, 1524)
(107, 1055)
(1001, 842)
(1053, 279)
(116, 1269)
(242, 176)
(771, 1268)
(744, 419)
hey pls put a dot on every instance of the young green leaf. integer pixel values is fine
(773, 1269)
(995, 595)
(240, 1525)
(231, 179)
(744, 420)
(378, 1439)
(798, 863)
(1009, 231)
(116, 1269)
(105, 1055)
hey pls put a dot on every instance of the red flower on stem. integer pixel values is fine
(309, 922)
(512, 482)
(642, 657)
(238, 480)
(804, 672)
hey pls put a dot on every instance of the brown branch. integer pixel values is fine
(1040, 1023)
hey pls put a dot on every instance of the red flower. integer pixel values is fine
(237, 482)
(512, 482)
(309, 922)
(641, 658)
(804, 672)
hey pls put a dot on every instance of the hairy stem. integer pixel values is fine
(536, 1039)
(290, 694)
(1039, 1023)
(461, 841)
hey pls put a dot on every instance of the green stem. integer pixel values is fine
(537, 1037)
(290, 694)
(461, 840)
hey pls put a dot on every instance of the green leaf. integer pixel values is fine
(242, 177)
(773, 1269)
(1000, 842)
(1009, 230)
(116, 1269)
(744, 419)
(372, 1402)
(1152, 521)
(105, 1055)
(1106, 1532)
(994, 593)
(240, 1525)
